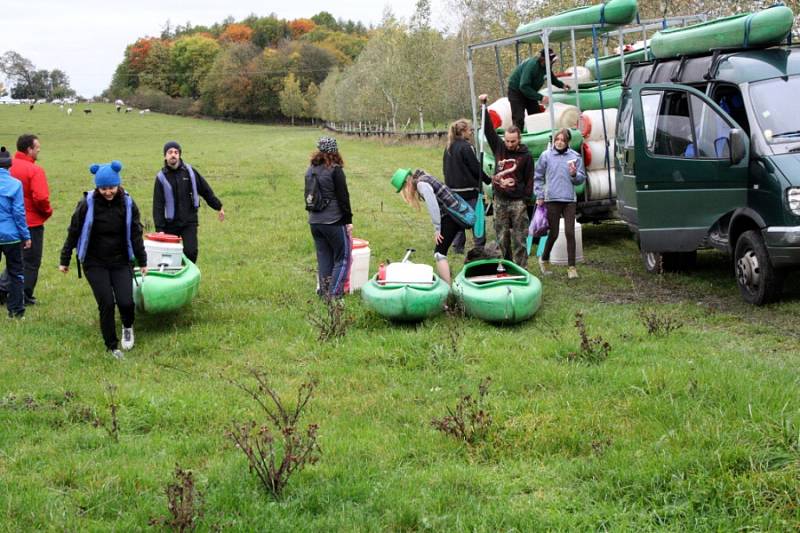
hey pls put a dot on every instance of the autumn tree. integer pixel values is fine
(291, 98)
(299, 27)
(192, 58)
(236, 33)
(310, 101)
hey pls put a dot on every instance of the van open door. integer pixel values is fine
(691, 166)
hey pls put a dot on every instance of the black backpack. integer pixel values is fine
(313, 194)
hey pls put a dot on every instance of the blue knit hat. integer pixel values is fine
(106, 175)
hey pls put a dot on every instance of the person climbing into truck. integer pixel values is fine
(524, 84)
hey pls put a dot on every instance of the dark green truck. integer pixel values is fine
(708, 155)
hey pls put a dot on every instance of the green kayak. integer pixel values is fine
(508, 297)
(762, 28)
(611, 15)
(536, 142)
(610, 67)
(167, 290)
(590, 96)
(407, 302)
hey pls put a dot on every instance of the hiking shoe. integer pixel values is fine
(30, 300)
(544, 267)
(117, 354)
(127, 338)
(572, 273)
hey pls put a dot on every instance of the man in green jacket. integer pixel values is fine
(524, 85)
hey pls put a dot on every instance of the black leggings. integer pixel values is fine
(110, 285)
(554, 212)
(450, 229)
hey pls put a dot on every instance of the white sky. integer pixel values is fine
(87, 38)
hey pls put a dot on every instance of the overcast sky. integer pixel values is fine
(87, 38)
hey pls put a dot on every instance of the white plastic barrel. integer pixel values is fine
(558, 255)
(594, 118)
(598, 149)
(597, 184)
(359, 267)
(408, 272)
(163, 250)
(502, 107)
(566, 117)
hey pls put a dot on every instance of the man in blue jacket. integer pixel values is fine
(14, 234)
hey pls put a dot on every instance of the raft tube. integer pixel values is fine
(406, 302)
(610, 67)
(762, 28)
(607, 16)
(505, 300)
(168, 290)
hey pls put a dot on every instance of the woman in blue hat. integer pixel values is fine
(107, 233)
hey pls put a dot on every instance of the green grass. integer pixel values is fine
(698, 430)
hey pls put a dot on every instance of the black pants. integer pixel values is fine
(189, 235)
(32, 260)
(333, 257)
(555, 210)
(112, 285)
(14, 298)
(519, 104)
(461, 237)
(450, 229)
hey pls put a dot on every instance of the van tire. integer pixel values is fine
(759, 282)
(660, 262)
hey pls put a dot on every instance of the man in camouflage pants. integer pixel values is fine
(511, 188)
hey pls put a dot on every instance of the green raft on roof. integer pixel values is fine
(590, 97)
(609, 16)
(610, 64)
(763, 28)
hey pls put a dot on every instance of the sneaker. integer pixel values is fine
(127, 338)
(117, 354)
(544, 267)
(572, 273)
(30, 300)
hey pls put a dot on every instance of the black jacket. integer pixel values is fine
(523, 176)
(185, 212)
(108, 245)
(462, 169)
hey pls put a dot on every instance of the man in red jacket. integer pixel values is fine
(37, 210)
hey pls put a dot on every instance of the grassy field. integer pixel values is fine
(695, 430)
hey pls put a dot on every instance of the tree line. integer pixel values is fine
(400, 74)
(28, 82)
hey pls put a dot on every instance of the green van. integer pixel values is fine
(708, 155)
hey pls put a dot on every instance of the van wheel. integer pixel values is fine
(660, 262)
(759, 282)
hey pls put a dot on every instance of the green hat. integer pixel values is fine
(399, 178)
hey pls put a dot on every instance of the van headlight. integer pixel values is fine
(793, 195)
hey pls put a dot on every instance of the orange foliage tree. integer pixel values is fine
(299, 27)
(139, 52)
(236, 33)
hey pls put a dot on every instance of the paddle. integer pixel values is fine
(480, 215)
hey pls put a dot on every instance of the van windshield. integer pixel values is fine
(774, 102)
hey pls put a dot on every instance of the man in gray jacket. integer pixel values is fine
(557, 172)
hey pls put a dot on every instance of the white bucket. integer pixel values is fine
(597, 184)
(407, 272)
(594, 117)
(566, 117)
(160, 253)
(558, 255)
(502, 107)
(359, 267)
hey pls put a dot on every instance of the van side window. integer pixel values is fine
(712, 131)
(729, 98)
(673, 134)
(650, 104)
(625, 128)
